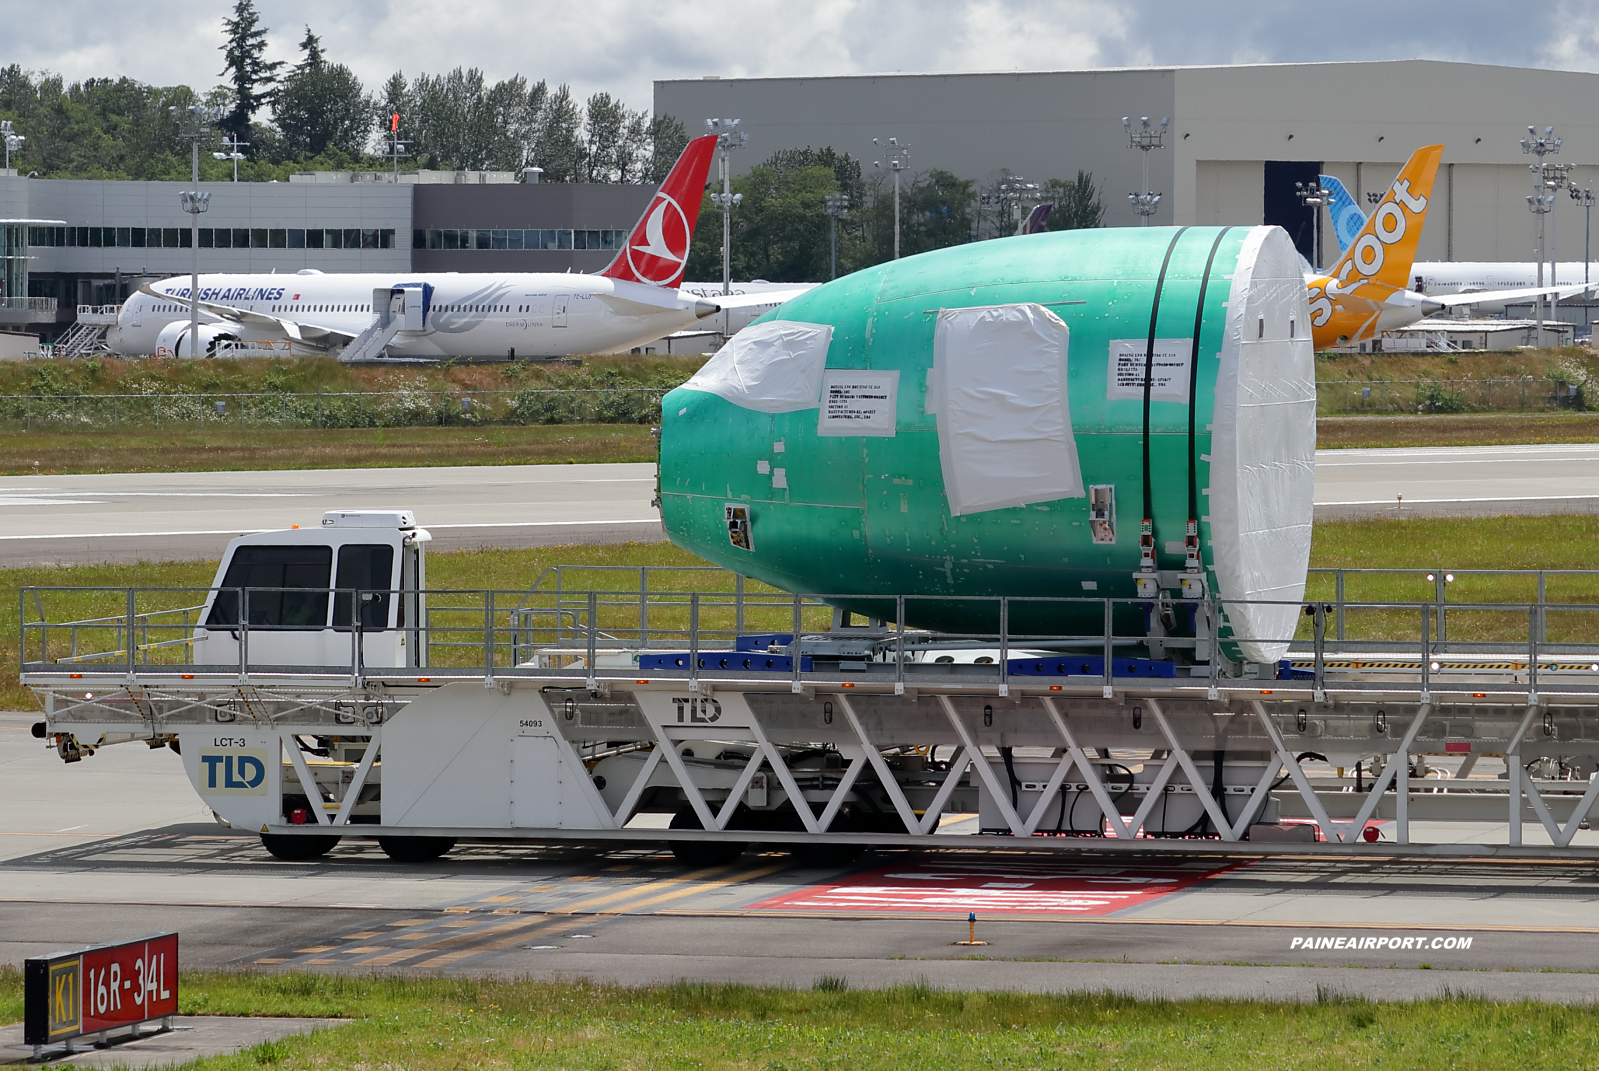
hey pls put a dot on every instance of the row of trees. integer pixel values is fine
(316, 114)
(781, 233)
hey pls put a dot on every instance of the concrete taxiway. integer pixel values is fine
(118, 844)
(185, 516)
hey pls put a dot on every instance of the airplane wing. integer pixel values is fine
(294, 329)
(744, 301)
(1512, 297)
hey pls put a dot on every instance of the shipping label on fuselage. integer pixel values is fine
(858, 402)
(1125, 377)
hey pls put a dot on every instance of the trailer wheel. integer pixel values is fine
(415, 849)
(700, 853)
(297, 849)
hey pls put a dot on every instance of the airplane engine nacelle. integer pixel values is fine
(173, 341)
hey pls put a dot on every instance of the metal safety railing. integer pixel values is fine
(1517, 648)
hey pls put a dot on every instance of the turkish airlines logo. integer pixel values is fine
(660, 258)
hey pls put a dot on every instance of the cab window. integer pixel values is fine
(283, 587)
(369, 570)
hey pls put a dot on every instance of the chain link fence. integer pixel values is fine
(1450, 395)
(368, 409)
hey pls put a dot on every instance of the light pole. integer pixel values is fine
(1541, 203)
(1314, 195)
(13, 141)
(1144, 137)
(395, 145)
(232, 145)
(1586, 199)
(195, 122)
(897, 158)
(836, 207)
(728, 138)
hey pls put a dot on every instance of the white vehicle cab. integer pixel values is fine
(299, 597)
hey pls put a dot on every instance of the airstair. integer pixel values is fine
(87, 334)
(395, 309)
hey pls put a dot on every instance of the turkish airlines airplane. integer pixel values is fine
(453, 314)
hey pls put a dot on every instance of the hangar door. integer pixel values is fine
(1282, 207)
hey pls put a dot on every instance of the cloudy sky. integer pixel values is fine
(621, 46)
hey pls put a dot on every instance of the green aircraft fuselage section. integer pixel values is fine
(868, 515)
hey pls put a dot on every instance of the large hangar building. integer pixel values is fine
(1240, 136)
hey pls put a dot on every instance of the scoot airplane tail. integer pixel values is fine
(658, 247)
(1386, 246)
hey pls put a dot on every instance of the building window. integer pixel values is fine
(313, 238)
(369, 239)
(258, 238)
(185, 239)
(352, 238)
(124, 237)
(241, 238)
(333, 239)
(207, 237)
(170, 237)
(277, 238)
(386, 238)
(296, 237)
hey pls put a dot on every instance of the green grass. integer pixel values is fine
(440, 1024)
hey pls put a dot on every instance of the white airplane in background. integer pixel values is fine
(1444, 278)
(366, 316)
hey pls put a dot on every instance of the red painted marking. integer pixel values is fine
(998, 886)
(1452, 748)
(129, 983)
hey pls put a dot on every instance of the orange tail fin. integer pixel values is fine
(1386, 246)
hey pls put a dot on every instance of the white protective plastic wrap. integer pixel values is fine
(998, 387)
(775, 367)
(1263, 447)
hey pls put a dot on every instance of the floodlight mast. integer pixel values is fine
(232, 145)
(728, 138)
(195, 122)
(13, 141)
(896, 161)
(835, 206)
(1144, 137)
(1542, 202)
(1586, 199)
(1315, 196)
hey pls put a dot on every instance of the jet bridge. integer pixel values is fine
(707, 712)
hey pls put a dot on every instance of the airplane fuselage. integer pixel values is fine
(467, 315)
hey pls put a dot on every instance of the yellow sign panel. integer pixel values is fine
(66, 1008)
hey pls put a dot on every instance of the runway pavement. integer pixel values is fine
(183, 516)
(118, 844)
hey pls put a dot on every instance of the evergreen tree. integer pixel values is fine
(312, 47)
(559, 148)
(667, 140)
(1077, 202)
(247, 67)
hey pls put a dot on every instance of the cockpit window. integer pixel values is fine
(282, 587)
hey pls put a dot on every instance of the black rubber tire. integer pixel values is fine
(297, 849)
(825, 856)
(701, 853)
(415, 849)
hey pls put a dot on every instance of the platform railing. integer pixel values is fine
(620, 635)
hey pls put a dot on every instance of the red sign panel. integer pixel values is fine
(87, 990)
(958, 885)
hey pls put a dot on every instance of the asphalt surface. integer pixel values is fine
(118, 845)
(185, 516)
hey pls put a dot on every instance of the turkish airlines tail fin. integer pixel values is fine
(658, 247)
(1386, 245)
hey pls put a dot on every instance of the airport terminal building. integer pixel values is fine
(1240, 136)
(71, 243)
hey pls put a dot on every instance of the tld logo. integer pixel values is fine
(236, 772)
(699, 710)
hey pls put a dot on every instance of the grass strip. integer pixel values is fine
(196, 449)
(1469, 429)
(443, 1024)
